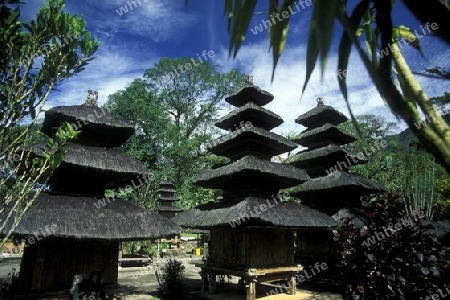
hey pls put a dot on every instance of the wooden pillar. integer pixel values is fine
(212, 283)
(251, 289)
(204, 276)
(292, 285)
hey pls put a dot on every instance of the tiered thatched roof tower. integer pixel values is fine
(88, 226)
(251, 229)
(331, 187)
(166, 199)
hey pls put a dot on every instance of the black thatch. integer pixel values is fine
(79, 217)
(250, 94)
(337, 183)
(92, 169)
(168, 198)
(324, 135)
(252, 173)
(98, 127)
(316, 161)
(276, 213)
(170, 208)
(254, 141)
(320, 115)
(258, 116)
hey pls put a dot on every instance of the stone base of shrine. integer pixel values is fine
(250, 277)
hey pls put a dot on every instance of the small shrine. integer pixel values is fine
(251, 229)
(86, 227)
(166, 199)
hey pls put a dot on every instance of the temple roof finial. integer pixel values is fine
(91, 98)
(320, 102)
(249, 80)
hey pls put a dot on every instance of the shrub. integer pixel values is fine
(379, 265)
(171, 286)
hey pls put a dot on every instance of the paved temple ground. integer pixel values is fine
(140, 283)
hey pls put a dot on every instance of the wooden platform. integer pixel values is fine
(250, 277)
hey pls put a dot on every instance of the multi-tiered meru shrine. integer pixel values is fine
(87, 225)
(331, 186)
(252, 231)
(166, 199)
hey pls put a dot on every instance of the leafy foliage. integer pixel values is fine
(369, 24)
(174, 114)
(402, 264)
(35, 56)
(171, 287)
(442, 207)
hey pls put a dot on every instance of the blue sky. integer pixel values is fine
(134, 41)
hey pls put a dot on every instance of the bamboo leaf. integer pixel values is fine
(312, 53)
(279, 30)
(242, 16)
(325, 12)
(345, 47)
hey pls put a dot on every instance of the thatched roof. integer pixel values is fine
(169, 208)
(254, 141)
(252, 173)
(275, 214)
(250, 94)
(337, 183)
(78, 217)
(168, 198)
(316, 161)
(94, 168)
(258, 116)
(98, 127)
(324, 135)
(320, 115)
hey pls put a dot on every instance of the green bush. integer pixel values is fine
(171, 286)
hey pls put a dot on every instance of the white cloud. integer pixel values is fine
(159, 21)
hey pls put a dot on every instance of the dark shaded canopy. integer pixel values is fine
(250, 94)
(316, 161)
(98, 127)
(251, 173)
(258, 116)
(324, 135)
(276, 214)
(253, 141)
(320, 115)
(91, 170)
(337, 183)
(78, 217)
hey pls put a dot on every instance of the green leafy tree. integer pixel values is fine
(35, 56)
(373, 143)
(174, 115)
(369, 28)
(442, 206)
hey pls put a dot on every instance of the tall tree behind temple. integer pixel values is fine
(174, 114)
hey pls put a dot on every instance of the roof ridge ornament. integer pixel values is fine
(320, 102)
(91, 98)
(249, 80)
